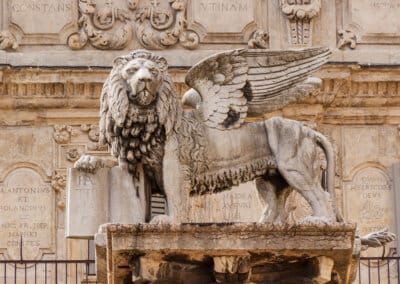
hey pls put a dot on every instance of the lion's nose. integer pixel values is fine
(144, 75)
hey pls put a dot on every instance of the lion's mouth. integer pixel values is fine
(144, 97)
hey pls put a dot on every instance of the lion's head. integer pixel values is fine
(139, 79)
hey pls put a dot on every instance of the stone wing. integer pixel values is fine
(230, 86)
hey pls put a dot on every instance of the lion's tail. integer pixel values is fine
(330, 171)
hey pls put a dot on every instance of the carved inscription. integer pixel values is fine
(88, 202)
(41, 16)
(385, 15)
(369, 202)
(237, 205)
(223, 15)
(26, 212)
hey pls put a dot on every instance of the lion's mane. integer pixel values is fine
(116, 108)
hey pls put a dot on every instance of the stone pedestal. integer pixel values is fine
(225, 253)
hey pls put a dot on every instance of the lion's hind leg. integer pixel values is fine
(273, 192)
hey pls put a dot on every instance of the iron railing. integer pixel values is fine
(378, 270)
(46, 271)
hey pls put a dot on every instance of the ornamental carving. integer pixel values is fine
(58, 183)
(300, 14)
(63, 133)
(8, 41)
(157, 25)
(347, 37)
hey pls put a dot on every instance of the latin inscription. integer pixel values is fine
(221, 16)
(41, 16)
(237, 205)
(369, 201)
(385, 15)
(40, 7)
(25, 214)
(224, 7)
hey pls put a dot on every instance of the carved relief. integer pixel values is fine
(300, 14)
(58, 183)
(93, 134)
(347, 37)
(259, 39)
(73, 154)
(8, 41)
(63, 133)
(158, 25)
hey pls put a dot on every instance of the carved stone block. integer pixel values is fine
(87, 202)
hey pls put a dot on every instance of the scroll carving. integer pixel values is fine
(347, 37)
(259, 39)
(8, 41)
(58, 183)
(300, 14)
(157, 24)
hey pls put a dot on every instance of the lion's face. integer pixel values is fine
(143, 78)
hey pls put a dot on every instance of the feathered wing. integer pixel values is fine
(240, 83)
(220, 80)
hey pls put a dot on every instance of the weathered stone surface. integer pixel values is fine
(33, 17)
(87, 202)
(264, 250)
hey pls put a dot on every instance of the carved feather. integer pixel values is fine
(235, 84)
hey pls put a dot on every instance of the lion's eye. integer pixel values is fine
(154, 71)
(131, 70)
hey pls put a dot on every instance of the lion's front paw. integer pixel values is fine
(316, 220)
(88, 164)
(162, 219)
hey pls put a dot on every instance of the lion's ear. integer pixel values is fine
(120, 60)
(162, 63)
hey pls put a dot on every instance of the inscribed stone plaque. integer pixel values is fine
(87, 202)
(26, 211)
(240, 204)
(41, 16)
(376, 16)
(369, 202)
(223, 16)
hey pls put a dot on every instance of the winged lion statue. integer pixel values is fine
(212, 146)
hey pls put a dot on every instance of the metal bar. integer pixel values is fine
(5, 273)
(369, 271)
(398, 271)
(66, 273)
(87, 272)
(25, 273)
(15, 273)
(388, 270)
(56, 273)
(76, 273)
(45, 272)
(379, 273)
(35, 273)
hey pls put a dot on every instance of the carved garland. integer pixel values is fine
(158, 25)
